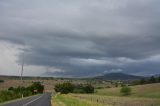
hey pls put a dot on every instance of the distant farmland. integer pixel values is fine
(48, 83)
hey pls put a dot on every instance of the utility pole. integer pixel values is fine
(21, 92)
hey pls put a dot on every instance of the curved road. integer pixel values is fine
(39, 100)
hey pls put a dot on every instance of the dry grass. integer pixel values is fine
(56, 102)
(69, 100)
(119, 101)
(148, 90)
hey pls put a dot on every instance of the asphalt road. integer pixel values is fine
(39, 100)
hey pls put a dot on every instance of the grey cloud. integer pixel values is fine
(57, 32)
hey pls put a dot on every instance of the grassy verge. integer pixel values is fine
(14, 100)
(69, 100)
(118, 101)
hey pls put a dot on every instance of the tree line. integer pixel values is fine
(67, 87)
(150, 80)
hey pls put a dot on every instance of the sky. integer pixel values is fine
(79, 38)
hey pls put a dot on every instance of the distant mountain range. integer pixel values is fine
(118, 76)
(109, 76)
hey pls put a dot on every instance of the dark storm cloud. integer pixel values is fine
(84, 37)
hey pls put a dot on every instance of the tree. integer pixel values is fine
(37, 86)
(64, 88)
(142, 81)
(116, 84)
(11, 88)
(1, 81)
(88, 89)
(152, 79)
(125, 90)
(159, 79)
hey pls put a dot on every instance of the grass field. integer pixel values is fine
(119, 101)
(142, 95)
(148, 90)
(96, 100)
(69, 100)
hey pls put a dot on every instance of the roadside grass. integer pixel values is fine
(6, 95)
(15, 100)
(118, 101)
(69, 100)
(148, 91)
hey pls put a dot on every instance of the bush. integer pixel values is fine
(27, 93)
(125, 90)
(70, 88)
(143, 81)
(1, 81)
(13, 93)
(78, 90)
(152, 79)
(64, 88)
(11, 88)
(88, 89)
(159, 79)
(36, 86)
(7, 95)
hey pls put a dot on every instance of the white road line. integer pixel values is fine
(32, 101)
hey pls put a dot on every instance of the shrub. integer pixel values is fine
(70, 88)
(36, 86)
(159, 79)
(152, 79)
(64, 88)
(7, 95)
(78, 90)
(11, 88)
(1, 81)
(27, 93)
(125, 90)
(143, 81)
(88, 89)
(13, 93)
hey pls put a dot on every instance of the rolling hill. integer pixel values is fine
(118, 76)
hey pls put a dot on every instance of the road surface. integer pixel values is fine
(39, 100)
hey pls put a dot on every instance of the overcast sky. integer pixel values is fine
(79, 38)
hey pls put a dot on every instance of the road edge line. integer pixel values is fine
(32, 101)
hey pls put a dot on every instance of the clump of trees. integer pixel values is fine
(64, 88)
(83, 88)
(67, 87)
(16, 92)
(36, 87)
(1, 81)
(19, 90)
(125, 90)
(150, 80)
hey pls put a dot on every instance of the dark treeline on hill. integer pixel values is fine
(67, 87)
(148, 80)
(118, 76)
(13, 93)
